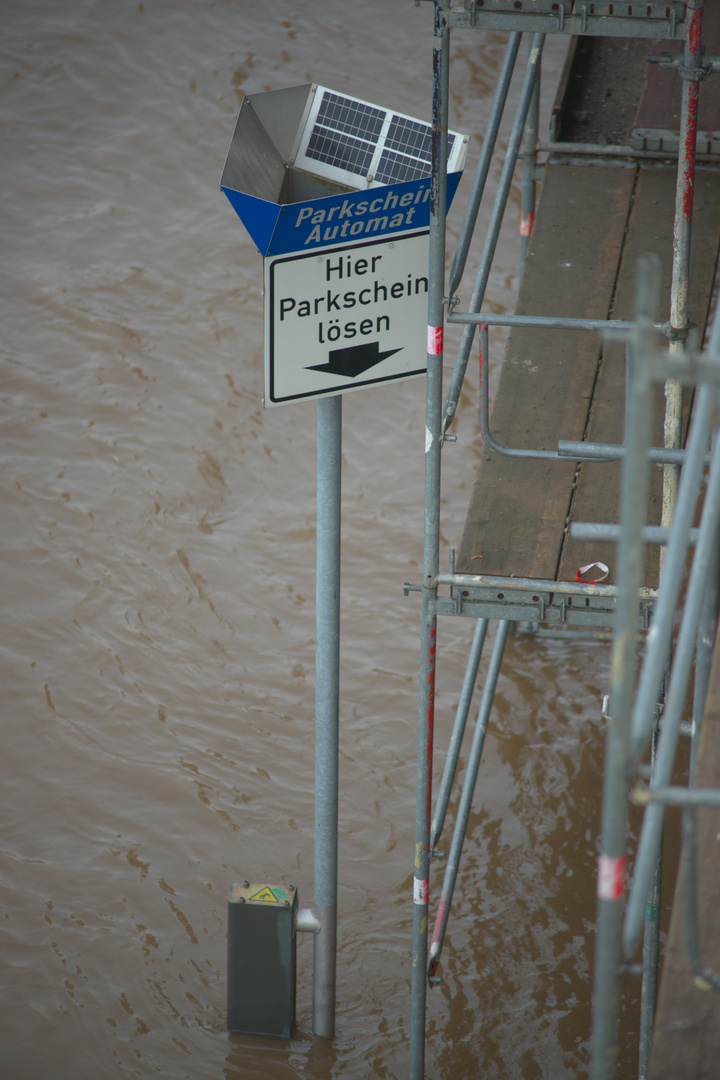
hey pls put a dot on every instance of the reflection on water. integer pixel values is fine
(158, 590)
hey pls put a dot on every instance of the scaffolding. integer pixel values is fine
(645, 702)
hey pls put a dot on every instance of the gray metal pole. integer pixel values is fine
(491, 237)
(703, 655)
(527, 212)
(651, 954)
(484, 161)
(458, 731)
(612, 861)
(327, 695)
(708, 622)
(466, 798)
(431, 540)
(689, 872)
(681, 245)
(544, 322)
(575, 451)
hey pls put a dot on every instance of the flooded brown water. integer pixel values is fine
(158, 591)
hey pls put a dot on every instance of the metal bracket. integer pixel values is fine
(306, 921)
(708, 65)
(534, 7)
(677, 333)
(658, 19)
(634, 12)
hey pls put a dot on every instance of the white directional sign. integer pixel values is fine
(338, 319)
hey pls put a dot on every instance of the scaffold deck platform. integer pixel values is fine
(591, 225)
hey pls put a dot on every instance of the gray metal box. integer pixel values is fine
(261, 959)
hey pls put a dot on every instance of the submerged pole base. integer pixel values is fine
(324, 973)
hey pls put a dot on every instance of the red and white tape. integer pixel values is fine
(611, 877)
(604, 571)
(435, 340)
(526, 223)
(421, 891)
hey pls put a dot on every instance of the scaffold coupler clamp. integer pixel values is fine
(708, 65)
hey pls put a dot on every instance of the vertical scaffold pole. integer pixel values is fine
(651, 952)
(707, 631)
(527, 211)
(612, 860)
(684, 191)
(431, 540)
(679, 320)
(327, 697)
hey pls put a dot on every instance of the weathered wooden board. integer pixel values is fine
(659, 104)
(518, 509)
(686, 1040)
(650, 229)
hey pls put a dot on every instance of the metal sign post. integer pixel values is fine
(335, 192)
(327, 699)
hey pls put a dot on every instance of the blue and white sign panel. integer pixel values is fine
(337, 219)
(345, 317)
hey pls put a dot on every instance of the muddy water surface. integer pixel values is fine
(158, 591)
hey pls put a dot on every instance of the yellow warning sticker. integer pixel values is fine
(265, 896)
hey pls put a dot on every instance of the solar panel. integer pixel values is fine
(346, 136)
(407, 153)
(410, 137)
(345, 133)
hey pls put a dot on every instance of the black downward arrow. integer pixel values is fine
(354, 360)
